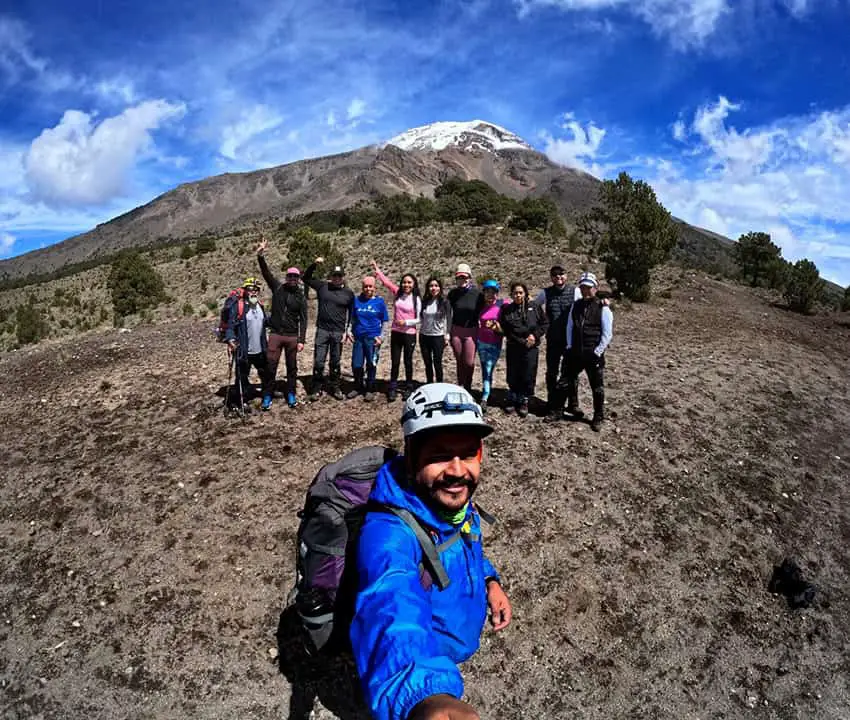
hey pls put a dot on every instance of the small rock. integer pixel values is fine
(180, 485)
(273, 653)
(75, 623)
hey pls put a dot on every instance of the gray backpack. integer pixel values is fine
(325, 563)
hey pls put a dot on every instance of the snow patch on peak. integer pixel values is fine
(472, 135)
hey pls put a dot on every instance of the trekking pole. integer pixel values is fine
(241, 399)
(226, 403)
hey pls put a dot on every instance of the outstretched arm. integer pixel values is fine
(270, 279)
(395, 649)
(384, 280)
(308, 274)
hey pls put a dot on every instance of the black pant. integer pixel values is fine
(243, 372)
(432, 347)
(521, 371)
(594, 368)
(327, 340)
(556, 355)
(398, 342)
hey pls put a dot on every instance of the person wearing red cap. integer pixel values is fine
(288, 324)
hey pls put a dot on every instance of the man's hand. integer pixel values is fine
(299, 347)
(375, 266)
(500, 607)
(232, 345)
(261, 248)
(319, 260)
(378, 341)
(443, 707)
(530, 340)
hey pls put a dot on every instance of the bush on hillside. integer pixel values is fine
(634, 233)
(30, 325)
(760, 261)
(805, 286)
(187, 252)
(134, 283)
(845, 302)
(205, 244)
(305, 246)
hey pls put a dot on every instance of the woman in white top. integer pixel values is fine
(434, 329)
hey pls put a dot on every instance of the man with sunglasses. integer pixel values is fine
(246, 337)
(414, 623)
(333, 318)
(288, 324)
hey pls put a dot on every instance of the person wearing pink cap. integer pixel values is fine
(288, 324)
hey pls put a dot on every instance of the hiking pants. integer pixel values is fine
(327, 340)
(432, 347)
(594, 368)
(243, 373)
(521, 371)
(287, 344)
(365, 352)
(399, 342)
(556, 359)
(488, 355)
(463, 346)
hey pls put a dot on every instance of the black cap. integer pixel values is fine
(337, 270)
(556, 270)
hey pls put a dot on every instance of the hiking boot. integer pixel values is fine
(483, 406)
(509, 408)
(574, 410)
(554, 416)
(596, 423)
(336, 393)
(392, 393)
(267, 402)
(291, 400)
(522, 409)
(315, 395)
(369, 396)
(353, 394)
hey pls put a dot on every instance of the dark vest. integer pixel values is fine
(558, 304)
(587, 324)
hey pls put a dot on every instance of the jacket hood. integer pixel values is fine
(391, 489)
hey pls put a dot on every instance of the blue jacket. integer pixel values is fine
(238, 329)
(408, 641)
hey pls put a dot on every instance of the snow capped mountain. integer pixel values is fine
(473, 135)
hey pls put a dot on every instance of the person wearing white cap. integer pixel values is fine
(590, 328)
(466, 302)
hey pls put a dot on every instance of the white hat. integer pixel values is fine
(442, 405)
(463, 269)
(588, 279)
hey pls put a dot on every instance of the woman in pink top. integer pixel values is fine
(407, 306)
(489, 337)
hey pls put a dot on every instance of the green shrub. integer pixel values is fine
(135, 284)
(845, 302)
(187, 252)
(804, 287)
(30, 325)
(205, 244)
(203, 284)
(212, 304)
(188, 309)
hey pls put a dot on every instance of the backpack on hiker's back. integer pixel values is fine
(326, 545)
(235, 296)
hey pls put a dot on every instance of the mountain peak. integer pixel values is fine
(471, 135)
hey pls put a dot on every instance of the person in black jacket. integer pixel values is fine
(332, 324)
(466, 302)
(523, 323)
(288, 324)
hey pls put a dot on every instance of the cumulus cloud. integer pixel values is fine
(7, 241)
(79, 162)
(579, 149)
(252, 124)
(790, 178)
(685, 23)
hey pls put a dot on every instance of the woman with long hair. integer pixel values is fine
(489, 337)
(524, 324)
(466, 301)
(436, 319)
(407, 306)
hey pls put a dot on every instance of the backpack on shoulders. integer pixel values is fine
(233, 297)
(326, 546)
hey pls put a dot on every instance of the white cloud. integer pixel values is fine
(78, 162)
(580, 149)
(790, 178)
(356, 108)
(680, 131)
(252, 124)
(7, 241)
(685, 23)
(330, 119)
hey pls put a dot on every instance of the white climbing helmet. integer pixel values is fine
(442, 405)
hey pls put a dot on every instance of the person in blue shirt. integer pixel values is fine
(590, 327)
(368, 315)
(410, 629)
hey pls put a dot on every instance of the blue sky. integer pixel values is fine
(736, 111)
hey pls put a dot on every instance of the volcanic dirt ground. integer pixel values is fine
(147, 541)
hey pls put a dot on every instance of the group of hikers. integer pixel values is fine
(577, 326)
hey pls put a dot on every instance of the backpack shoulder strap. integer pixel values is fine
(430, 551)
